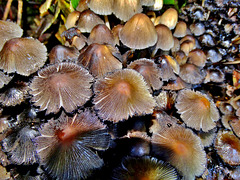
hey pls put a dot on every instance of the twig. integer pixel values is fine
(7, 9)
(19, 14)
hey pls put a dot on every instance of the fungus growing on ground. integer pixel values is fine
(125, 9)
(72, 19)
(9, 30)
(169, 18)
(88, 20)
(102, 35)
(149, 70)
(197, 110)
(98, 59)
(64, 85)
(235, 126)
(102, 7)
(20, 146)
(197, 57)
(67, 146)
(23, 56)
(180, 30)
(59, 53)
(165, 38)
(144, 168)
(228, 147)
(197, 29)
(139, 32)
(192, 74)
(122, 94)
(182, 149)
(207, 138)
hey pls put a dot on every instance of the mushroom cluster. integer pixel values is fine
(136, 90)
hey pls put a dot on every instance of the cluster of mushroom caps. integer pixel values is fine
(92, 84)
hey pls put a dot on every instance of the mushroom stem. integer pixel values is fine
(19, 14)
(106, 21)
(7, 9)
(154, 52)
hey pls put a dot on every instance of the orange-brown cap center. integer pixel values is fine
(124, 88)
(67, 135)
(204, 103)
(180, 148)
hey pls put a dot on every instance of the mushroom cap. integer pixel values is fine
(21, 146)
(99, 60)
(23, 56)
(88, 20)
(59, 53)
(228, 147)
(14, 95)
(145, 167)
(115, 30)
(122, 94)
(139, 32)
(149, 70)
(165, 37)
(101, 34)
(67, 145)
(197, 29)
(4, 79)
(64, 85)
(182, 149)
(207, 138)
(9, 30)
(197, 57)
(102, 7)
(125, 9)
(169, 18)
(235, 125)
(180, 30)
(72, 19)
(147, 2)
(192, 74)
(197, 110)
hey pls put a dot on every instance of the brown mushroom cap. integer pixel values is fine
(235, 125)
(197, 57)
(169, 18)
(197, 110)
(228, 147)
(9, 30)
(192, 74)
(102, 7)
(182, 149)
(99, 60)
(122, 94)
(147, 2)
(115, 30)
(23, 56)
(88, 20)
(165, 38)
(139, 32)
(72, 19)
(64, 85)
(149, 70)
(197, 29)
(144, 168)
(21, 147)
(59, 53)
(180, 30)
(207, 138)
(67, 145)
(125, 9)
(101, 34)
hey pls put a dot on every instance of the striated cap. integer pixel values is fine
(197, 110)
(21, 147)
(72, 19)
(144, 168)
(122, 94)
(139, 32)
(23, 56)
(182, 149)
(228, 147)
(9, 30)
(125, 9)
(180, 30)
(149, 70)
(98, 59)
(64, 85)
(4, 79)
(67, 145)
(197, 57)
(102, 7)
